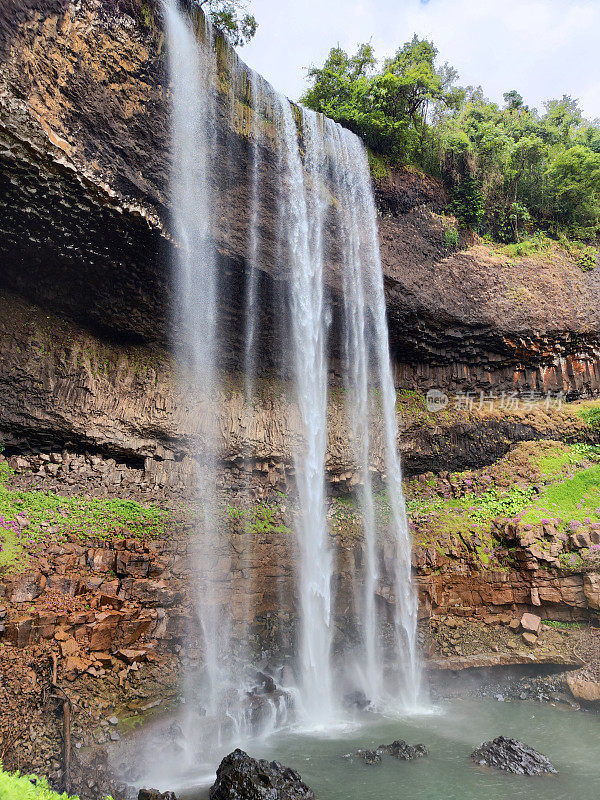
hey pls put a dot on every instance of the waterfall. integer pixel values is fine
(304, 209)
(367, 368)
(326, 246)
(193, 142)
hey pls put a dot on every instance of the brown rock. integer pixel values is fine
(591, 589)
(110, 600)
(130, 656)
(26, 589)
(69, 648)
(529, 638)
(531, 623)
(583, 688)
(103, 635)
(514, 624)
(74, 665)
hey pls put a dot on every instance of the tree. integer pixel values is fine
(574, 176)
(513, 100)
(389, 108)
(230, 17)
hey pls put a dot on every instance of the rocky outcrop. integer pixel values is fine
(240, 777)
(511, 755)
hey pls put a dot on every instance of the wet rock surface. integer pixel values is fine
(404, 752)
(241, 777)
(397, 749)
(511, 755)
(154, 794)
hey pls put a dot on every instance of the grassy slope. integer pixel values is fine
(23, 787)
(51, 517)
(536, 481)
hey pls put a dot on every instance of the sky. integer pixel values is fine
(541, 48)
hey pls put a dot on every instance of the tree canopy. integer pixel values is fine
(508, 167)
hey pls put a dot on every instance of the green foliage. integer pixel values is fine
(575, 499)
(510, 170)
(389, 107)
(231, 19)
(52, 517)
(570, 562)
(492, 504)
(560, 624)
(591, 417)
(259, 518)
(28, 787)
(378, 166)
(467, 202)
(531, 245)
(451, 238)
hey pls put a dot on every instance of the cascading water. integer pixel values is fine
(191, 68)
(304, 209)
(368, 368)
(324, 185)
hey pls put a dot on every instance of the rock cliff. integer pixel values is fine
(84, 165)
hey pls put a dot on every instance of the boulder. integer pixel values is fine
(529, 638)
(583, 688)
(403, 751)
(240, 777)
(370, 757)
(357, 699)
(531, 623)
(511, 755)
(154, 794)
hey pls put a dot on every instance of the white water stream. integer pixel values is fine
(317, 161)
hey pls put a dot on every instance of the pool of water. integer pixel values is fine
(571, 739)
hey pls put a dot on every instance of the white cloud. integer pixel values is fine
(542, 48)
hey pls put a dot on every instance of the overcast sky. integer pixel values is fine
(542, 48)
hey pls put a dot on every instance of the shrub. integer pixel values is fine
(591, 417)
(451, 238)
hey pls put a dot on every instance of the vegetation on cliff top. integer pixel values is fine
(510, 169)
(229, 17)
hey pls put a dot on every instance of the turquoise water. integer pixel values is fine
(571, 740)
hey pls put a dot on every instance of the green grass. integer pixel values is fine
(23, 787)
(568, 481)
(575, 499)
(557, 623)
(529, 246)
(52, 518)
(259, 518)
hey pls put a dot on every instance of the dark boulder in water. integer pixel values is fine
(154, 794)
(403, 751)
(511, 755)
(241, 777)
(398, 749)
(370, 757)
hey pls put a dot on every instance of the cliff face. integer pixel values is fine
(87, 371)
(84, 165)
